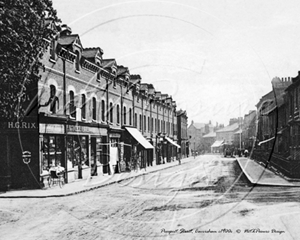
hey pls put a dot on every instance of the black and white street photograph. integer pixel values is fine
(149, 119)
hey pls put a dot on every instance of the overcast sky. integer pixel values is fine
(216, 58)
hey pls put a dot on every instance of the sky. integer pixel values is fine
(215, 58)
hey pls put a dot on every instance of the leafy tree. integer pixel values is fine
(23, 26)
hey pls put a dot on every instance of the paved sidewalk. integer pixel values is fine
(257, 174)
(80, 186)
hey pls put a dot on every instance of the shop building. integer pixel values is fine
(91, 117)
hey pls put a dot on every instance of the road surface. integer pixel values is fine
(208, 198)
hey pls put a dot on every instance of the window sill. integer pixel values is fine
(77, 71)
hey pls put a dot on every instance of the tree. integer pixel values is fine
(24, 24)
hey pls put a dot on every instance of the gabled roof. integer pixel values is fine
(91, 52)
(230, 128)
(135, 77)
(210, 135)
(68, 39)
(180, 112)
(199, 125)
(106, 63)
(144, 86)
(239, 131)
(121, 70)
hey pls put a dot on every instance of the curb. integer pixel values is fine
(91, 188)
(263, 184)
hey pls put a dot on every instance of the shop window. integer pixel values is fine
(118, 114)
(94, 108)
(83, 106)
(72, 105)
(95, 154)
(111, 116)
(52, 151)
(77, 151)
(103, 110)
(124, 114)
(130, 116)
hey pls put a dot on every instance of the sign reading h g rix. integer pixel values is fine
(19, 125)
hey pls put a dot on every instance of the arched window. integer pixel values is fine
(135, 120)
(53, 99)
(130, 116)
(72, 105)
(98, 73)
(94, 108)
(151, 124)
(141, 122)
(124, 116)
(52, 50)
(83, 106)
(148, 124)
(118, 114)
(111, 116)
(145, 124)
(103, 110)
(77, 60)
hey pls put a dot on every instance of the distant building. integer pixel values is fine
(182, 133)
(227, 133)
(249, 130)
(196, 131)
(208, 141)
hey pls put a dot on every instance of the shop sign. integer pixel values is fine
(115, 135)
(19, 125)
(51, 128)
(86, 129)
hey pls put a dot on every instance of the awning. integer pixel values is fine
(139, 137)
(218, 143)
(262, 142)
(172, 142)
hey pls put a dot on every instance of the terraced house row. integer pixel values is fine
(92, 116)
(277, 142)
